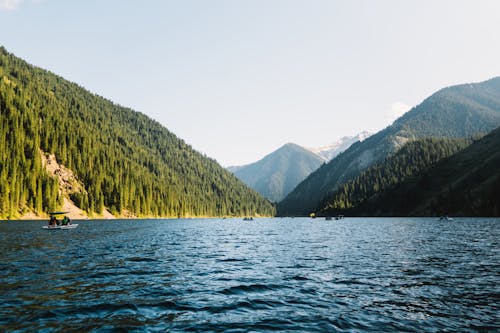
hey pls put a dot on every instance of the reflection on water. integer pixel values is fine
(262, 275)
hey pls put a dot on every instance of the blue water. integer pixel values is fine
(231, 275)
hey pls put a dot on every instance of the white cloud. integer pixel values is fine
(14, 4)
(9, 4)
(397, 110)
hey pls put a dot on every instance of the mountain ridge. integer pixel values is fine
(457, 111)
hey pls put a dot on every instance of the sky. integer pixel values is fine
(238, 79)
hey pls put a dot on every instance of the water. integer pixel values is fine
(264, 275)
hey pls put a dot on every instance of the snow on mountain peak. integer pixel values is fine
(330, 151)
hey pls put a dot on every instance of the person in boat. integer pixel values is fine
(52, 221)
(66, 221)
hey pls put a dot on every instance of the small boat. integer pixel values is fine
(55, 224)
(248, 218)
(56, 227)
(328, 218)
(339, 217)
(445, 218)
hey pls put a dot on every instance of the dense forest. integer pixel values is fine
(457, 112)
(125, 161)
(464, 184)
(413, 158)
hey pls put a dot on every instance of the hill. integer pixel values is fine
(465, 184)
(120, 160)
(458, 111)
(275, 175)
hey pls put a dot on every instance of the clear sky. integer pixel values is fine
(237, 79)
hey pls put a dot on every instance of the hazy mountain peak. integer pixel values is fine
(277, 173)
(328, 152)
(291, 146)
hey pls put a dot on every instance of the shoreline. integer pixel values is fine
(107, 217)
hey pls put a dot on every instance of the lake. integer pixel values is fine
(229, 275)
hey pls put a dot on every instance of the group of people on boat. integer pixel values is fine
(55, 222)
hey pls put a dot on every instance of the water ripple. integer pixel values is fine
(293, 275)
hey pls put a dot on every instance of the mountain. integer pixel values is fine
(275, 175)
(233, 169)
(60, 145)
(465, 184)
(413, 158)
(332, 150)
(457, 111)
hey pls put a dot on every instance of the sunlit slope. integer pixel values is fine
(128, 163)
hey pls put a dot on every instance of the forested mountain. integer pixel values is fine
(465, 184)
(458, 111)
(412, 159)
(275, 175)
(126, 162)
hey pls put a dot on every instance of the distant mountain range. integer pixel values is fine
(456, 112)
(275, 175)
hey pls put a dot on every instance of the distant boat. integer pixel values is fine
(248, 218)
(445, 218)
(328, 218)
(55, 224)
(339, 217)
(56, 227)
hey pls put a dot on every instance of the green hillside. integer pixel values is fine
(458, 111)
(125, 161)
(275, 175)
(412, 159)
(465, 184)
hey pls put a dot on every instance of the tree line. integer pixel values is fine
(412, 159)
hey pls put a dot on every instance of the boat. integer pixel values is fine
(69, 226)
(248, 218)
(445, 218)
(339, 217)
(55, 224)
(328, 218)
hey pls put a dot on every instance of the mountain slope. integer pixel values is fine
(126, 162)
(412, 159)
(275, 175)
(465, 184)
(458, 111)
